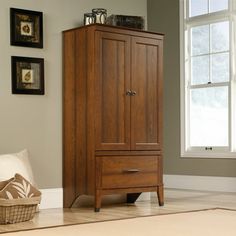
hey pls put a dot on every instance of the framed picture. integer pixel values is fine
(26, 28)
(27, 75)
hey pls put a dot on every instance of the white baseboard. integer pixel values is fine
(202, 183)
(51, 198)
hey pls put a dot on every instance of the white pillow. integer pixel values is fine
(10, 164)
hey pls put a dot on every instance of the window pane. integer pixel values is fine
(209, 117)
(198, 7)
(220, 36)
(220, 67)
(218, 5)
(200, 70)
(200, 40)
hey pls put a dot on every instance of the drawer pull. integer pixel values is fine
(131, 171)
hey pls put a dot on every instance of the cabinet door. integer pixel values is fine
(146, 81)
(112, 72)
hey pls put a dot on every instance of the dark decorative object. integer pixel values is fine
(136, 22)
(100, 15)
(89, 18)
(26, 28)
(27, 75)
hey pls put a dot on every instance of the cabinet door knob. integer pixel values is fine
(129, 93)
(133, 93)
(131, 170)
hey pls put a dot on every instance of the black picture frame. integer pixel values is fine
(26, 28)
(27, 75)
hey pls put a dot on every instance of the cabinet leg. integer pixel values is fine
(98, 200)
(132, 197)
(160, 195)
(96, 209)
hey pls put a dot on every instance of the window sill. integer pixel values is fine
(210, 155)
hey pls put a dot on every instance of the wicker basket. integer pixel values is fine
(18, 210)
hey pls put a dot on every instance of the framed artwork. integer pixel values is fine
(26, 28)
(27, 75)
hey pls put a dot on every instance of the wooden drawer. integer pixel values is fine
(127, 171)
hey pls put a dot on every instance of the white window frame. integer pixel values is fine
(217, 152)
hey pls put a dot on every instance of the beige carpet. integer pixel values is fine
(214, 222)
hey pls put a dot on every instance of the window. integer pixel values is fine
(207, 72)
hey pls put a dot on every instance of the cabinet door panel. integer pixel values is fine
(113, 79)
(146, 104)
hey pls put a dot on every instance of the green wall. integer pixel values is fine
(32, 121)
(163, 16)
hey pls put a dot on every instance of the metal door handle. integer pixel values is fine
(131, 170)
(129, 93)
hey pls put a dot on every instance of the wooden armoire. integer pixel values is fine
(112, 124)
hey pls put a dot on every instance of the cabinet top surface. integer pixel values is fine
(111, 27)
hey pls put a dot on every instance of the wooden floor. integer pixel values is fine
(175, 201)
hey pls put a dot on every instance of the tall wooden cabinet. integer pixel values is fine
(112, 133)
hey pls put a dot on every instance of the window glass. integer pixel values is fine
(200, 40)
(209, 117)
(220, 37)
(218, 5)
(198, 7)
(200, 70)
(220, 67)
(201, 7)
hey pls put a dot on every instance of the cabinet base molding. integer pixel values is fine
(132, 194)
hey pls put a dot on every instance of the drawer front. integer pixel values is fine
(128, 171)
